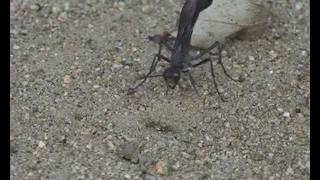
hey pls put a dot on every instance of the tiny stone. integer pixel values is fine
(220, 89)
(273, 54)
(56, 10)
(280, 109)
(186, 155)
(161, 167)
(41, 144)
(127, 176)
(127, 62)
(146, 9)
(298, 5)
(121, 4)
(134, 49)
(130, 151)
(242, 77)
(251, 58)
(96, 86)
(67, 79)
(271, 178)
(116, 66)
(290, 170)
(89, 146)
(16, 47)
(176, 166)
(66, 6)
(286, 114)
(90, 26)
(227, 124)
(62, 17)
(24, 83)
(35, 7)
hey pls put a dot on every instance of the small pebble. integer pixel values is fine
(286, 114)
(119, 5)
(90, 26)
(24, 83)
(62, 17)
(127, 176)
(41, 144)
(89, 146)
(227, 124)
(146, 9)
(273, 54)
(55, 9)
(96, 86)
(251, 58)
(16, 47)
(186, 155)
(134, 49)
(176, 166)
(289, 170)
(35, 7)
(161, 168)
(130, 151)
(298, 6)
(127, 61)
(116, 67)
(280, 109)
(66, 6)
(67, 79)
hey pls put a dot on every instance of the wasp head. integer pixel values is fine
(172, 76)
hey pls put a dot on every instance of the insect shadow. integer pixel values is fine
(181, 62)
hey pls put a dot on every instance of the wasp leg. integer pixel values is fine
(154, 64)
(212, 74)
(224, 69)
(193, 83)
(214, 80)
(206, 50)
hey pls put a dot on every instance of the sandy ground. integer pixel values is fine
(72, 62)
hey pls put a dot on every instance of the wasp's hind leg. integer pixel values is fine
(220, 48)
(154, 64)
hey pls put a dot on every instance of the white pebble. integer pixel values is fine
(298, 5)
(90, 26)
(289, 170)
(280, 109)
(16, 47)
(56, 10)
(227, 124)
(251, 58)
(96, 86)
(41, 144)
(127, 176)
(273, 54)
(66, 6)
(286, 114)
(35, 7)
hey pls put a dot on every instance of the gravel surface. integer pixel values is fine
(70, 118)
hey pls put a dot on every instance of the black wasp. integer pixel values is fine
(181, 61)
